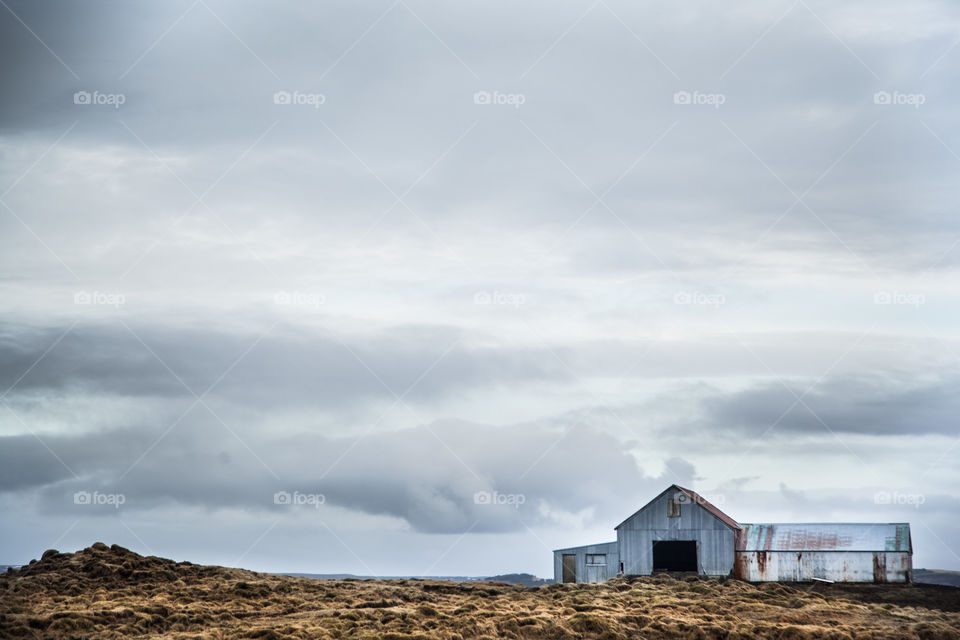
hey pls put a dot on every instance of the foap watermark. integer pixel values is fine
(710, 498)
(514, 100)
(898, 498)
(298, 299)
(299, 499)
(97, 98)
(99, 499)
(715, 100)
(698, 297)
(496, 498)
(898, 98)
(300, 98)
(99, 298)
(899, 297)
(499, 297)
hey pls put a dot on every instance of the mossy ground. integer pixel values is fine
(110, 592)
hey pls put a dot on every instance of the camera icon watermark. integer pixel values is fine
(515, 100)
(115, 300)
(496, 498)
(299, 499)
(896, 98)
(99, 499)
(898, 498)
(299, 299)
(899, 298)
(115, 100)
(499, 298)
(699, 298)
(715, 100)
(314, 100)
(701, 499)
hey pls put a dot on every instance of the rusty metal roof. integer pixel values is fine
(696, 497)
(825, 536)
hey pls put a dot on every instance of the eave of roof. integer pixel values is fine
(582, 546)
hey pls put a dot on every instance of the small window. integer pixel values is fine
(673, 508)
(596, 559)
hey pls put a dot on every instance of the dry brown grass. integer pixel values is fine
(110, 592)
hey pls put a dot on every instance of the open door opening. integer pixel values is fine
(674, 555)
(569, 568)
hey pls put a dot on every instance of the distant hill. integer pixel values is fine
(937, 576)
(353, 576)
(526, 579)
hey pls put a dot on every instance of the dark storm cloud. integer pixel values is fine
(274, 367)
(694, 199)
(26, 463)
(400, 99)
(869, 405)
(33, 460)
(471, 467)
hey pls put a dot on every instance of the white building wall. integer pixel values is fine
(839, 566)
(585, 572)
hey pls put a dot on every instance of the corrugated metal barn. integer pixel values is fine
(845, 552)
(680, 531)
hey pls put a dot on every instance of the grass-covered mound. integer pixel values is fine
(110, 592)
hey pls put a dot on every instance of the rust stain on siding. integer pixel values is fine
(879, 568)
(740, 569)
(762, 562)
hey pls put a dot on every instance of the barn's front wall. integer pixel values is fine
(585, 572)
(715, 540)
(838, 566)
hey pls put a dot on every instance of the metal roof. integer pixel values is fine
(720, 515)
(694, 497)
(584, 546)
(825, 536)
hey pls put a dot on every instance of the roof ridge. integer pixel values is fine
(705, 504)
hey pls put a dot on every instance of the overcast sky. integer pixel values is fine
(405, 260)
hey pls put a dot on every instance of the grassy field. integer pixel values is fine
(110, 592)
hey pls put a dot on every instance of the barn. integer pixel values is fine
(680, 531)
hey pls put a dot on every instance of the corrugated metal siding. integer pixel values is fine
(830, 536)
(589, 573)
(715, 540)
(840, 566)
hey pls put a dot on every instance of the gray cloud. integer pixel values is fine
(862, 405)
(385, 474)
(797, 117)
(592, 344)
(276, 367)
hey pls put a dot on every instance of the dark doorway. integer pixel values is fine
(569, 568)
(674, 555)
